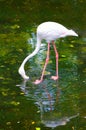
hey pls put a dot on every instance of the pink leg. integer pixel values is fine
(55, 77)
(46, 62)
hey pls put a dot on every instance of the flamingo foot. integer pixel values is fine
(38, 81)
(54, 77)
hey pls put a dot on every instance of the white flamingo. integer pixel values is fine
(50, 31)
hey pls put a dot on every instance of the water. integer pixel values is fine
(54, 105)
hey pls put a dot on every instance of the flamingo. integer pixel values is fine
(50, 31)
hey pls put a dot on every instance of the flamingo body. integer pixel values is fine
(50, 31)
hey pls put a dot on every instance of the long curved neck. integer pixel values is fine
(33, 53)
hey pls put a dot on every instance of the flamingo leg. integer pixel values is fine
(56, 53)
(46, 62)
